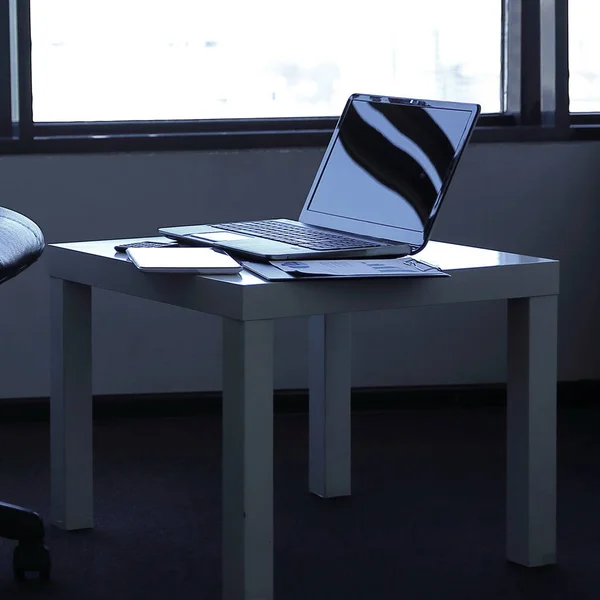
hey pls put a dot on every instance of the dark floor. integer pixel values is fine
(426, 520)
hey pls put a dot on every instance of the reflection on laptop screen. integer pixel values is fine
(395, 158)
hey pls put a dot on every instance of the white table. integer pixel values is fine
(248, 307)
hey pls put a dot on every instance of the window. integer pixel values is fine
(584, 53)
(129, 60)
(110, 75)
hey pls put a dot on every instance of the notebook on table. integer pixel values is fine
(183, 259)
(377, 191)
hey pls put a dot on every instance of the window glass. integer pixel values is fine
(114, 60)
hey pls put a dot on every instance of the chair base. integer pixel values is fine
(31, 558)
(27, 528)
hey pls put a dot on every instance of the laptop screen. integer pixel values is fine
(388, 167)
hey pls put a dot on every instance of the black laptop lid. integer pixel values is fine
(388, 166)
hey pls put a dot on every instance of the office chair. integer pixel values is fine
(21, 244)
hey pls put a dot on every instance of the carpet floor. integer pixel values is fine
(426, 519)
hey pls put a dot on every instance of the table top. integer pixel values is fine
(476, 274)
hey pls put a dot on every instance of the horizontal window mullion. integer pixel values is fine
(497, 120)
(585, 118)
(180, 127)
(144, 143)
(225, 127)
(254, 140)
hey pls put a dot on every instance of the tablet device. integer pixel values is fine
(191, 259)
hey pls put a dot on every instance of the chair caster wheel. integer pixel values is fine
(31, 558)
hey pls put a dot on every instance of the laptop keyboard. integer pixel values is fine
(313, 239)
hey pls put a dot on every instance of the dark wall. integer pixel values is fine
(540, 199)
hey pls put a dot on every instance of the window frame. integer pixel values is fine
(534, 97)
(5, 75)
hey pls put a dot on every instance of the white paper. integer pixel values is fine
(373, 267)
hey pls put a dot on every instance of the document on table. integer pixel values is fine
(373, 267)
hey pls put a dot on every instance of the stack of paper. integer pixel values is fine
(374, 267)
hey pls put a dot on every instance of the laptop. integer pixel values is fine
(377, 191)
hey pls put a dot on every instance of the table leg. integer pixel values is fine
(247, 460)
(330, 364)
(71, 405)
(531, 430)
